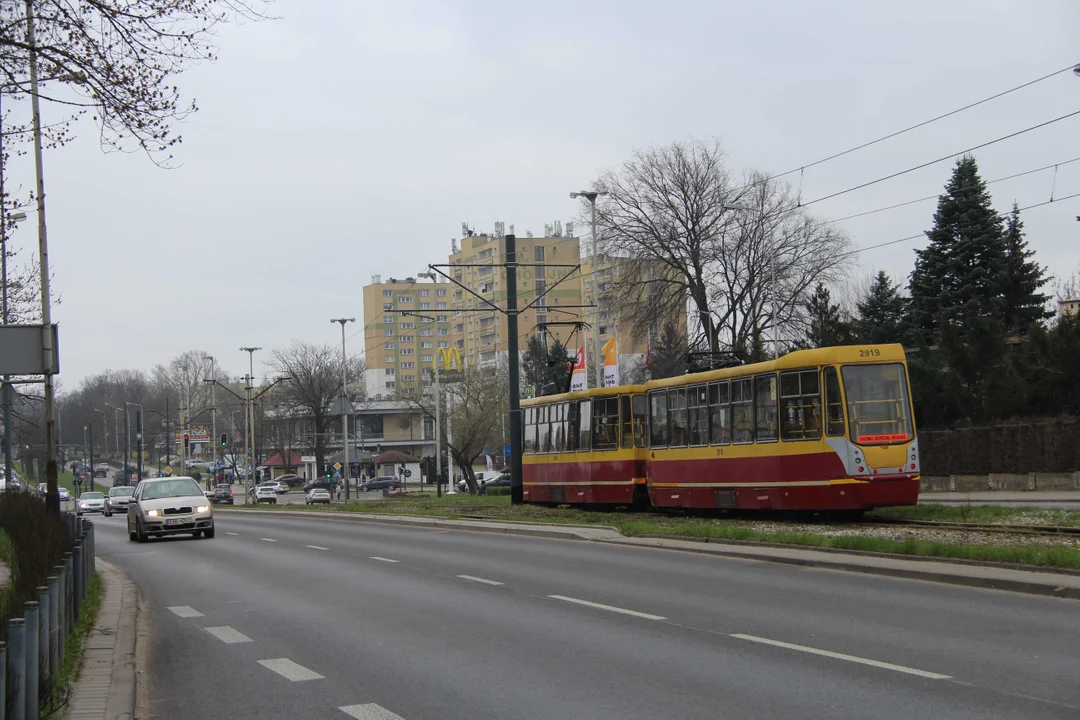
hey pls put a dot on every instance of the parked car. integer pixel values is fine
(380, 483)
(118, 500)
(316, 496)
(327, 485)
(265, 493)
(223, 494)
(90, 502)
(291, 480)
(501, 481)
(168, 506)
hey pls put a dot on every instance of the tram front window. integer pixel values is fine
(879, 410)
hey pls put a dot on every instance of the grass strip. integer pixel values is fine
(73, 652)
(740, 529)
(982, 514)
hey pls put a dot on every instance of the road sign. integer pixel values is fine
(408, 473)
(168, 470)
(337, 466)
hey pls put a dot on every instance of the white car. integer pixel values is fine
(266, 493)
(118, 500)
(64, 494)
(169, 506)
(90, 502)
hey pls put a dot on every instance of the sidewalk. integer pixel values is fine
(1002, 496)
(105, 689)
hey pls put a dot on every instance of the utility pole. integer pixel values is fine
(213, 415)
(6, 390)
(90, 427)
(344, 403)
(516, 487)
(139, 439)
(598, 359)
(127, 443)
(249, 418)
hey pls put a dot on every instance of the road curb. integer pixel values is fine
(108, 664)
(966, 574)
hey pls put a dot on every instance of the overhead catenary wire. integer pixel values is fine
(943, 158)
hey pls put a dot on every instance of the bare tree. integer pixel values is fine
(680, 230)
(183, 381)
(119, 57)
(315, 382)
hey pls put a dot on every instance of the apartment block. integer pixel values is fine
(405, 322)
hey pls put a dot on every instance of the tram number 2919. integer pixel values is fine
(869, 352)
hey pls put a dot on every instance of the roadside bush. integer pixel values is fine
(38, 541)
(497, 491)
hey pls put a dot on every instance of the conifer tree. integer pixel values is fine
(827, 324)
(881, 312)
(1024, 278)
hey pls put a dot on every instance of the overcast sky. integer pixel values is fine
(352, 137)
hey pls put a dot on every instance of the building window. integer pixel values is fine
(425, 292)
(388, 318)
(444, 344)
(389, 359)
(425, 306)
(440, 306)
(389, 346)
(407, 338)
(441, 292)
(389, 371)
(388, 293)
(405, 299)
(407, 326)
(426, 332)
(425, 344)
(538, 253)
(388, 332)
(388, 306)
(407, 365)
(389, 384)
(406, 351)
(442, 318)
(442, 331)
(426, 358)
(408, 378)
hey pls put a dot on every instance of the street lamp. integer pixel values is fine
(344, 403)
(213, 410)
(249, 414)
(591, 196)
(138, 437)
(116, 426)
(773, 292)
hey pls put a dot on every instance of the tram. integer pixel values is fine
(829, 429)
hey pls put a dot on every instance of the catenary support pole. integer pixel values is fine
(515, 389)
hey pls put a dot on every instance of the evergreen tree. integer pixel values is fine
(962, 272)
(881, 312)
(668, 357)
(534, 365)
(827, 324)
(1024, 278)
(558, 366)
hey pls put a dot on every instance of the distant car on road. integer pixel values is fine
(102, 470)
(265, 493)
(327, 485)
(501, 481)
(291, 480)
(168, 506)
(118, 500)
(280, 487)
(64, 494)
(223, 494)
(380, 483)
(90, 502)
(317, 496)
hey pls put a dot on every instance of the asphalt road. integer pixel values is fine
(298, 618)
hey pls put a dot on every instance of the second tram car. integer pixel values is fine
(820, 430)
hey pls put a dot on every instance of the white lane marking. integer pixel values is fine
(289, 670)
(369, 711)
(382, 559)
(317, 547)
(185, 611)
(841, 656)
(232, 533)
(228, 635)
(611, 608)
(479, 580)
(268, 539)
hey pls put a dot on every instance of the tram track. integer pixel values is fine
(1038, 530)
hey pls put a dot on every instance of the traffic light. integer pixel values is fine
(187, 438)
(224, 439)
(328, 473)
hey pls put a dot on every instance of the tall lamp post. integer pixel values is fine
(344, 402)
(249, 415)
(105, 443)
(213, 414)
(598, 360)
(773, 292)
(138, 436)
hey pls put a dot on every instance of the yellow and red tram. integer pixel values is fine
(825, 429)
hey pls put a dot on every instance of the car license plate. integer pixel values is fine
(176, 521)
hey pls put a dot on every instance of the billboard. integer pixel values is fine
(195, 433)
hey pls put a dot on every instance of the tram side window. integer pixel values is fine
(544, 429)
(834, 404)
(606, 423)
(572, 426)
(585, 434)
(800, 400)
(697, 403)
(765, 407)
(679, 420)
(529, 444)
(658, 419)
(641, 419)
(558, 427)
(742, 411)
(720, 413)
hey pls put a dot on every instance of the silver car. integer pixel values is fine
(118, 500)
(90, 502)
(169, 506)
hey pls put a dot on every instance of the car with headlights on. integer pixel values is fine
(64, 494)
(90, 502)
(118, 499)
(169, 506)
